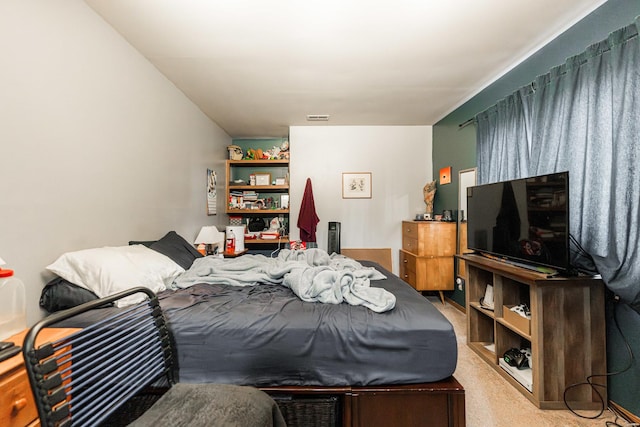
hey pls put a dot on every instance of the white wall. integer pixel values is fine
(399, 158)
(96, 146)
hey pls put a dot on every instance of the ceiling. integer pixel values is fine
(257, 67)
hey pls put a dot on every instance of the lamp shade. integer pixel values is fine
(209, 235)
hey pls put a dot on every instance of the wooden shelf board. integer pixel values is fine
(264, 188)
(258, 211)
(283, 239)
(507, 270)
(489, 356)
(234, 254)
(513, 328)
(266, 162)
(482, 310)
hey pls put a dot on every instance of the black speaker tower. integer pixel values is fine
(334, 238)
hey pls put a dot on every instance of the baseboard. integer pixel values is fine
(455, 305)
(628, 416)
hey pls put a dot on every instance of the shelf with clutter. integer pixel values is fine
(257, 189)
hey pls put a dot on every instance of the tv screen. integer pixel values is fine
(524, 220)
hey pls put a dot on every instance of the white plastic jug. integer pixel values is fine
(13, 315)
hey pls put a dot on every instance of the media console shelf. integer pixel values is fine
(566, 332)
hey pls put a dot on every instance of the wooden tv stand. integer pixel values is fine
(566, 331)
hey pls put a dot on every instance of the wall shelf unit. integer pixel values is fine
(566, 332)
(243, 199)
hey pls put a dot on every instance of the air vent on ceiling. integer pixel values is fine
(317, 117)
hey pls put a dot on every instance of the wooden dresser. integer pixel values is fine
(427, 255)
(17, 407)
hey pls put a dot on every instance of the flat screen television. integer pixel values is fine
(525, 221)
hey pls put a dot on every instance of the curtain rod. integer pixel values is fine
(467, 123)
(531, 87)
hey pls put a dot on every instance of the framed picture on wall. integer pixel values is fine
(356, 185)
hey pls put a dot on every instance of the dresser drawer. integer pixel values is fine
(411, 238)
(17, 407)
(429, 238)
(410, 244)
(408, 276)
(408, 268)
(408, 261)
(409, 230)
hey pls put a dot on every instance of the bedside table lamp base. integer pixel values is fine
(208, 239)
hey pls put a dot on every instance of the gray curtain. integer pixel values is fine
(504, 137)
(585, 118)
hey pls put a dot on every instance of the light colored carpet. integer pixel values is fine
(491, 401)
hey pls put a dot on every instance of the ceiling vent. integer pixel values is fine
(317, 117)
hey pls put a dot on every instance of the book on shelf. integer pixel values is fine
(250, 196)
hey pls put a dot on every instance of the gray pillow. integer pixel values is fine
(60, 294)
(177, 248)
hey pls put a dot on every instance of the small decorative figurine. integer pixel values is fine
(429, 192)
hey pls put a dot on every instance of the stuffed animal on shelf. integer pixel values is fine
(254, 154)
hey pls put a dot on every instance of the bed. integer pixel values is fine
(340, 363)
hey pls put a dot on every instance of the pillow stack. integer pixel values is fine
(108, 270)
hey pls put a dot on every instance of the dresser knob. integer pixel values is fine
(19, 404)
(405, 260)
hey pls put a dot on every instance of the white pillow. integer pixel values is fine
(109, 270)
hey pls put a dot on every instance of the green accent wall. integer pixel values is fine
(456, 147)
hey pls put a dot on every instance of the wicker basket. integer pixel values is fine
(305, 411)
(235, 220)
(235, 152)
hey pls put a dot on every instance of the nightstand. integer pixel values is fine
(17, 407)
(234, 254)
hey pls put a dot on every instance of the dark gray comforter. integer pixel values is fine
(266, 336)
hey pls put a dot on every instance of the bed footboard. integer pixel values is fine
(438, 404)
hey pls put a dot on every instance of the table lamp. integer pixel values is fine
(209, 236)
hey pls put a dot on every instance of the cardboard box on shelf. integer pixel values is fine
(521, 323)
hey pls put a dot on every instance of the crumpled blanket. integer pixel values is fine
(313, 275)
